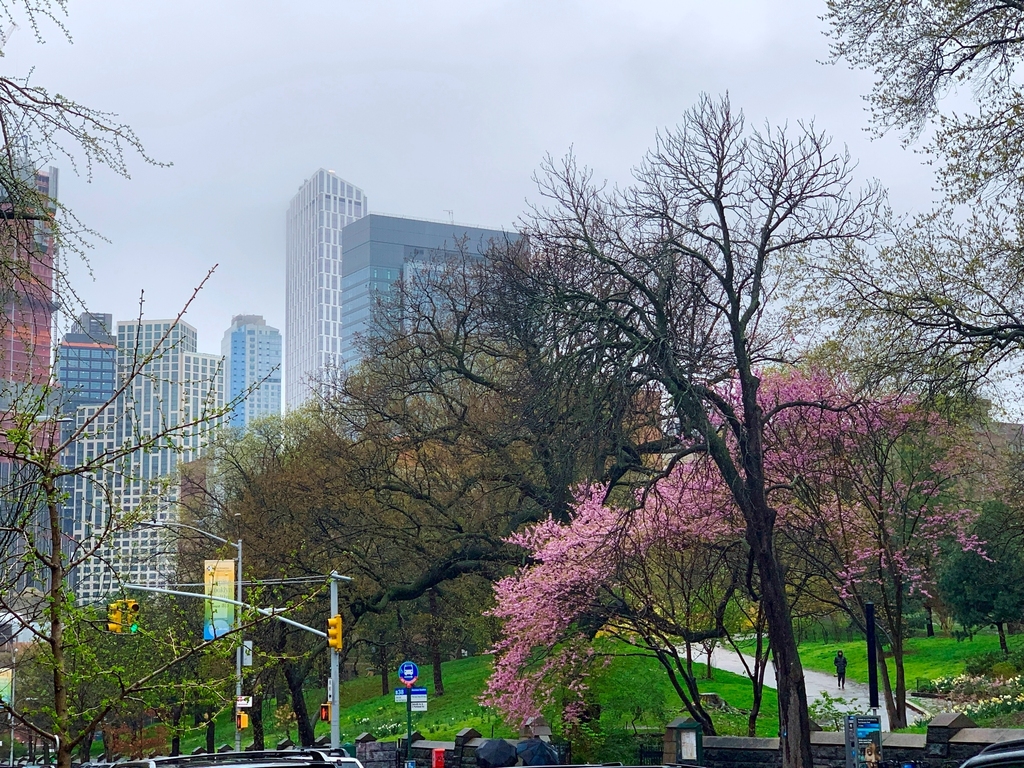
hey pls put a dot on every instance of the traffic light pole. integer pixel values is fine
(335, 677)
(14, 701)
(241, 645)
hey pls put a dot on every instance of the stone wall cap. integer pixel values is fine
(740, 742)
(828, 737)
(427, 744)
(365, 737)
(952, 720)
(468, 733)
(904, 740)
(984, 735)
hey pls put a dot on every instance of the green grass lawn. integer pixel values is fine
(925, 657)
(634, 692)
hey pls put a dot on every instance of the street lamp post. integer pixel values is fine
(238, 618)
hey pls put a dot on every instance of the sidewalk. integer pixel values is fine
(815, 682)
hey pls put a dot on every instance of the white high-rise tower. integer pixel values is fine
(323, 205)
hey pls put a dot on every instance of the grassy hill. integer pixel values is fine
(926, 657)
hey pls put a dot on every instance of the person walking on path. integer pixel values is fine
(840, 663)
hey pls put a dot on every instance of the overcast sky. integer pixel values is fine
(428, 106)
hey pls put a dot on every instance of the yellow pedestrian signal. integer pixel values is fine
(334, 632)
(114, 617)
(241, 721)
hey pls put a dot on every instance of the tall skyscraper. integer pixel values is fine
(323, 205)
(252, 365)
(27, 311)
(86, 362)
(383, 250)
(171, 407)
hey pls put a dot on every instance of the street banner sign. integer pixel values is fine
(408, 672)
(243, 702)
(219, 580)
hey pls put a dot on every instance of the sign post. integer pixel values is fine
(408, 673)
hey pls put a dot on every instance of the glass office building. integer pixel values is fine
(382, 250)
(324, 204)
(252, 364)
(172, 406)
(86, 362)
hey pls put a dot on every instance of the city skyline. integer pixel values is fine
(439, 115)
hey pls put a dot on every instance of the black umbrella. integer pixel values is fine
(496, 753)
(537, 752)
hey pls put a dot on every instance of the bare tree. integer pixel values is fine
(668, 286)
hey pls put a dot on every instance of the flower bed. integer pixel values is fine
(980, 697)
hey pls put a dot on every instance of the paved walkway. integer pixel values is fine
(815, 682)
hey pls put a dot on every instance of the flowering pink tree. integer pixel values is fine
(657, 574)
(870, 491)
(866, 495)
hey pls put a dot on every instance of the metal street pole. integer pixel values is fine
(238, 650)
(13, 675)
(335, 677)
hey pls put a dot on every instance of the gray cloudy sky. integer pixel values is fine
(427, 105)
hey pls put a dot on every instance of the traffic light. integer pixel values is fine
(123, 616)
(334, 632)
(241, 721)
(325, 712)
(131, 609)
(114, 617)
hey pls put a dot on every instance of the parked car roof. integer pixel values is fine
(1003, 754)
(254, 759)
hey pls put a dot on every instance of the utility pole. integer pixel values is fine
(335, 664)
(241, 644)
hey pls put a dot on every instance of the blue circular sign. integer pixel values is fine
(408, 672)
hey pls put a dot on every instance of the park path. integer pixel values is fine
(815, 682)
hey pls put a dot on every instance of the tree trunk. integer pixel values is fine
(1001, 629)
(901, 685)
(382, 665)
(211, 733)
(794, 722)
(257, 721)
(435, 643)
(296, 677)
(176, 712)
(56, 595)
(85, 750)
(930, 626)
(887, 689)
(710, 673)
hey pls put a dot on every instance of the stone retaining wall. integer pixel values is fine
(951, 739)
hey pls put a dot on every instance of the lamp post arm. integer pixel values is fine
(207, 534)
(217, 598)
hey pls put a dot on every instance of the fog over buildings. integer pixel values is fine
(430, 108)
